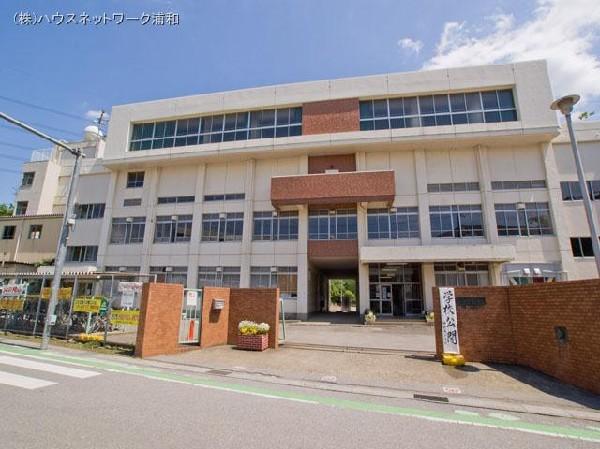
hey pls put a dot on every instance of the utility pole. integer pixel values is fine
(565, 106)
(61, 250)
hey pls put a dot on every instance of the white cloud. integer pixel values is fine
(93, 114)
(562, 32)
(410, 45)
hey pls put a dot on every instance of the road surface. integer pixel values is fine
(62, 399)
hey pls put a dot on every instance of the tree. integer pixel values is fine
(342, 288)
(6, 209)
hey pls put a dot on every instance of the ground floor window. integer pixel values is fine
(170, 275)
(455, 274)
(219, 277)
(285, 278)
(395, 289)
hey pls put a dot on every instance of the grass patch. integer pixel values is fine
(92, 346)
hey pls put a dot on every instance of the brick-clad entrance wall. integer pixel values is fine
(518, 325)
(160, 314)
(214, 322)
(330, 116)
(256, 304)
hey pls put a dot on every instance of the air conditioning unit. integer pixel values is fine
(173, 217)
(219, 269)
(168, 269)
(121, 269)
(273, 269)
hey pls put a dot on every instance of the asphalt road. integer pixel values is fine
(66, 400)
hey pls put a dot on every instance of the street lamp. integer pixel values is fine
(565, 106)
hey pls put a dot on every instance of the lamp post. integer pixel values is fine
(565, 106)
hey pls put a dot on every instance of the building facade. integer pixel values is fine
(402, 182)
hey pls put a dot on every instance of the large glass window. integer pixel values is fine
(275, 225)
(219, 277)
(135, 179)
(395, 223)
(267, 123)
(438, 110)
(170, 275)
(175, 199)
(523, 219)
(572, 192)
(222, 227)
(173, 228)
(35, 232)
(456, 221)
(519, 185)
(442, 187)
(82, 253)
(338, 224)
(582, 247)
(225, 197)
(284, 278)
(27, 180)
(89, 211)
(460, 274)
(127, 230)
(21, 208)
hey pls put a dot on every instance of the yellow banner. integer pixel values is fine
(63, 293)
(127, 317)
(11, 304)
(87, 304)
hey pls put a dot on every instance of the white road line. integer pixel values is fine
(29, 383)
(56, 369)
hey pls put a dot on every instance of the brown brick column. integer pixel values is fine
(213, 331)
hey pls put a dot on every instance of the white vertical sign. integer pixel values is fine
(449, 320)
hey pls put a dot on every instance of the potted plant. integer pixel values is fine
(253, 336)
(429, 317)
(370, 317)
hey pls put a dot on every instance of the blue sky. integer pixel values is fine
(230, 44)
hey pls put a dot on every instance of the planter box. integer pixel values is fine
(253, 342)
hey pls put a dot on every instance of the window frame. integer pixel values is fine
(13, 229)
(35, 232)
(390, 222)
(522, 219)
(218, 227)
(176, 231)
(134, 181)
(332, 220)
(458, 229)
(28, 176)
(271, 225)
(127, 236)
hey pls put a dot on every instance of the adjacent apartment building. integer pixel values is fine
(401, 181)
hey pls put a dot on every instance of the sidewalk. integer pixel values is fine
(399, 375)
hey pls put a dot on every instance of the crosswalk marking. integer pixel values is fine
(16, 380)
(40, 366)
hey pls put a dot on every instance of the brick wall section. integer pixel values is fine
(484, 333)
(160, 313)
(325, 189)
(330, 116)
(333, 248)
(530, 314)
(255, 304)
(341, 162)
(214, 322)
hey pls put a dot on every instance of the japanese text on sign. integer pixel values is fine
(449, 320)
(90, 304)
(125, 317)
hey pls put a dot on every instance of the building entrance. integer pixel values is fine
(342, 295)
(395, 289)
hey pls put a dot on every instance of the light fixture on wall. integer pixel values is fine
(129, 219)
(168, 269)
(521, 206)
(173, 217)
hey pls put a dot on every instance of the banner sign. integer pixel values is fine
(87, 304)
(12, 290)
(127, 287)
(125, 317)
(15, 304)
(449, 321)
(63, 293)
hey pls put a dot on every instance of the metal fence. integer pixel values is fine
(102, 304)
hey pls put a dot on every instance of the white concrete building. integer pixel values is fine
(401, 181)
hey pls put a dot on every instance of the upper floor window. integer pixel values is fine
(131, 202)
(176, 199)
(582, 247)
(572, 192)
(135, 179)
(339, 224)
(436, 110)
(266, 123)
(456, 221)
(284, 278)
(173, 229)
(461, 273)
(225, 197)
(395, 223)
(21, 208)
(219, 277)
(453, 187)
(89, 211)
(523, 219)
(222, 227)
(127, 230)
(27, 180)
(8, 233)
(170, 275)
(122, 269)
(82, 253)
(275, 225)
(519, 185)
(35, 232)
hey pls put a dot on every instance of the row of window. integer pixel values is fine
(437, 110)
(266, 123)
(35, 232)
(571, 191)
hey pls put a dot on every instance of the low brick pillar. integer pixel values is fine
(254, 304)
(213, 331)
(160, 316)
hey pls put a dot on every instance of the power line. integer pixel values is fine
(39, 125)
(13, 158)
(43, 108)
(14, 145)
(8, 170)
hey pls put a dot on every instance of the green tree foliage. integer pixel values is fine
(6, 209)
(342, 288)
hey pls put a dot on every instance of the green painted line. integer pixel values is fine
(587, 434)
